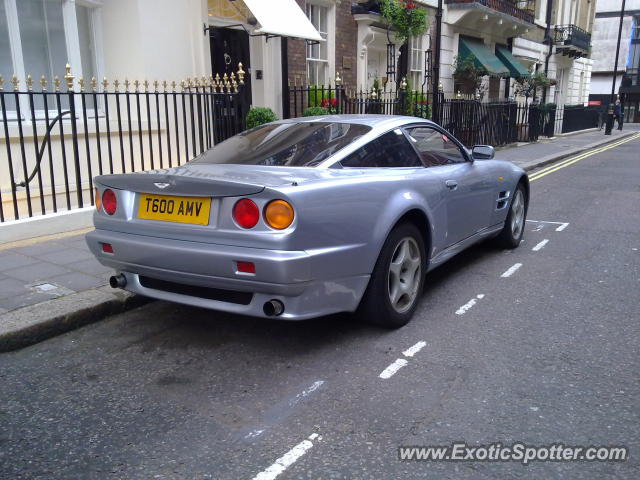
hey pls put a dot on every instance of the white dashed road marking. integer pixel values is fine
(314, 386)
(561, 225)
(411, 351)
(511, 270)
(467, 306)
(540, 245)
(287, 459)
(393, 368)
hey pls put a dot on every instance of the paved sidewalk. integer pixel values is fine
(532, 155)
(38, 270)
(51, 284)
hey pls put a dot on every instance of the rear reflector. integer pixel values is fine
(107, 248)
(246, 267)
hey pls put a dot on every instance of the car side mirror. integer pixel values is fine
(483, 152)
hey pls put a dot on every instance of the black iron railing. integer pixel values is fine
(306, 100)
(56, 139)
(571, 37)
(472, 121)
(503, 6)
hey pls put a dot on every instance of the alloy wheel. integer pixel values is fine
(517, 214)
(404, 274)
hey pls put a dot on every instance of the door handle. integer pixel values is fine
(451, 184)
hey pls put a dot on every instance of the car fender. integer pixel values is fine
(399, 205)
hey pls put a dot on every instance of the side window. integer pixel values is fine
(435, 148)
(390, 150)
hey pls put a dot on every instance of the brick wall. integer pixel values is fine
(346, 48)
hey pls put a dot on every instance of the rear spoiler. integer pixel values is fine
(180, 184)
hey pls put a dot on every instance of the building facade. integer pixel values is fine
(605, 38)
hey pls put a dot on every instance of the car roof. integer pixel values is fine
(371, 120)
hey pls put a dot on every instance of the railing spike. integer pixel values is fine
(126, 84)
(29, 83)
(16, 82)
(146, 85)
(241, 73)
(116, 84)
(105, 83)
(155, 85)
(173, 86)
(1, 83)
(68, 77)
(136, 84)
(56, 83)
(81, 83)
(94, 84)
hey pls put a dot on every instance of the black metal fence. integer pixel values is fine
(469, 119)
(56, 141)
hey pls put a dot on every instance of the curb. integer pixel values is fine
(543, 161)
(35, 323)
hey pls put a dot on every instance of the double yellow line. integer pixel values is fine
(571, 161)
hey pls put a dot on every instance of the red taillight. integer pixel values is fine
(109, 202)
(107, 248)
(246, 213)
(246, 267)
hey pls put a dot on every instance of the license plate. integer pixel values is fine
(167, 208)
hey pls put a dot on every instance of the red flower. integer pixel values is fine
(329, 102)
(410, 5)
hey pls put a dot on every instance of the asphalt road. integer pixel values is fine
(549, 354)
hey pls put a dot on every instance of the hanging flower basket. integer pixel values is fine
(405, 17)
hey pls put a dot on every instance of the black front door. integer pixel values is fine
(228, 48)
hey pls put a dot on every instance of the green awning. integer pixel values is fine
(513, 64)
(483, 58)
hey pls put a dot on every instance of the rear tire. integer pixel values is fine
(396, 283)
(513, 231)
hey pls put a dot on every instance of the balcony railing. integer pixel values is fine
(503, 6)
(572, 38)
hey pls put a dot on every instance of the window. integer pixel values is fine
(303, 144)
(39, 37)
(416, 61)
(317, 53)
(633, 63)
(389, 150)
(435, 148)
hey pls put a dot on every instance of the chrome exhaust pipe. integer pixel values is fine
(273, 308)
(118, 281)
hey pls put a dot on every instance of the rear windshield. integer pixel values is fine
(303, 144)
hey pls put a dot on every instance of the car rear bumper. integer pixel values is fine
(280, 275)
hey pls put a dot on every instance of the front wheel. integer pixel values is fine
(513, 231)
(396, 282)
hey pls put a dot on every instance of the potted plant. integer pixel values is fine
(405, 17)
(468, 75)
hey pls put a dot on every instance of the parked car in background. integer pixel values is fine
(306, 217)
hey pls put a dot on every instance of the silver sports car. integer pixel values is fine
(307, 217)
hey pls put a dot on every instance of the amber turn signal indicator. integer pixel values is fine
(279, 214)
(97, 198)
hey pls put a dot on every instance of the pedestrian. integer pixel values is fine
(602, 111)
(617, 113)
